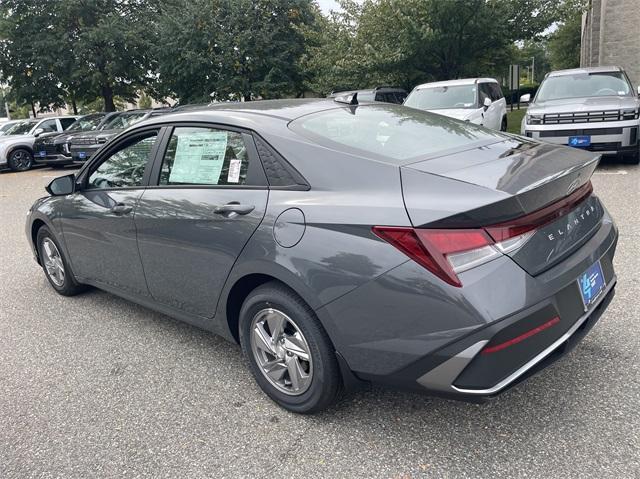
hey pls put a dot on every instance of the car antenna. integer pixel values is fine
(349, 98)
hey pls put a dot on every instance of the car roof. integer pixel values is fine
(286, 110)
(461, 81)
(587, 70)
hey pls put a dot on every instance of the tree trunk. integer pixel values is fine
(33, 110)
(107, 95)
(74, 106)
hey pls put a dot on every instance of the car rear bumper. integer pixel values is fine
(401, 331)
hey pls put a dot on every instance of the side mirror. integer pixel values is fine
(38, 132)
(61, 186)
(486, 103)
(525, 98)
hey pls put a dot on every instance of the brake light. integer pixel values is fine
(446, 252)
(443, 252)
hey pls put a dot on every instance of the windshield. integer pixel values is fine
(391, 131)
(86, 123)
(7, 126)
(583, 85)
(436, 98)
(21, 128)
(124, 120)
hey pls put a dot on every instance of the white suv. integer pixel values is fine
(478, 100)
(596, 109)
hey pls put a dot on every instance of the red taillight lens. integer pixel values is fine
(537, 219)
(430, 248)
(446, 252)
(518, 339)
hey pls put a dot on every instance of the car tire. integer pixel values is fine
(635, 158)
(277, 331)
(503, 124)
(20, 159)
(55, 265)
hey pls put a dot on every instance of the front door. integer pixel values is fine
(98, 225)
(209, 198)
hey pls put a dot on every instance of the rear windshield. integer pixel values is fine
(390, 131)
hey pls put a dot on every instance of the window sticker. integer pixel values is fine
(199, 158)
(234, 171)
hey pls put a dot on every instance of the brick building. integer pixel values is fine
(611, 36)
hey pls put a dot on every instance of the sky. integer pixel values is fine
(327, 5)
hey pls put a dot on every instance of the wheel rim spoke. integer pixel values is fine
(281, 351)
(53, 262)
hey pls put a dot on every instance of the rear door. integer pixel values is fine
(208, 195)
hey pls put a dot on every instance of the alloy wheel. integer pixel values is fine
(21, 160)
(53, 262)
(281, 351)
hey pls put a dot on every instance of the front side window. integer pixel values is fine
(485, 92)
(125, 167)
(204, 156)
(443, 97)
(582, 85)
(48, 126)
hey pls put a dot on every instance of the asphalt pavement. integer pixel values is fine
(96, 386)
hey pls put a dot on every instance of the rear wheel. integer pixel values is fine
(289, 353)
(20, 160)
(55, 265)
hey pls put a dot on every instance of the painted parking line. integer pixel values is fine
(618, 172)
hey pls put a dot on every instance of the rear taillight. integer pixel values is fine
(446, 252)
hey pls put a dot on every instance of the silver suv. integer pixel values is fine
(596, 109)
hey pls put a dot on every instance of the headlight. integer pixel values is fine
(534, 119)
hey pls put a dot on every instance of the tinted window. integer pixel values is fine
(496, 92)
(485, 92)
(582, 85)
(440, 97)
(205, 156)
(391, 131)
(48, 126)
(126, 166)
(67, 122)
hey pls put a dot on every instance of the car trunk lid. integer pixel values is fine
(503, 182)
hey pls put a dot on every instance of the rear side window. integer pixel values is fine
(67, 122)
(389, 131)
(205, 156)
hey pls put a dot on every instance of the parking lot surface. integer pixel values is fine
(96, 386)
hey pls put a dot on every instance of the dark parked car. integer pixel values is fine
(54, 149)
(82, 147)
(387, 94)
(342, 243)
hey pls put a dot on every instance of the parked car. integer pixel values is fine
(596, 109)
(477, 100)
(16, 145)
(387, 94)
(83, 146)
(340, 243)
(6, 126)
(54, 148)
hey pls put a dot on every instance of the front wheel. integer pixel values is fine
(55, 265)
(289, 353)
(20, 160)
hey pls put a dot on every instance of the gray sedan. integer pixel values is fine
(340, 242)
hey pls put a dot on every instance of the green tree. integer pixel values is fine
(564, 43)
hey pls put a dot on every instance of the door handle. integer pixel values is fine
(121, 209)
(234, 207)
